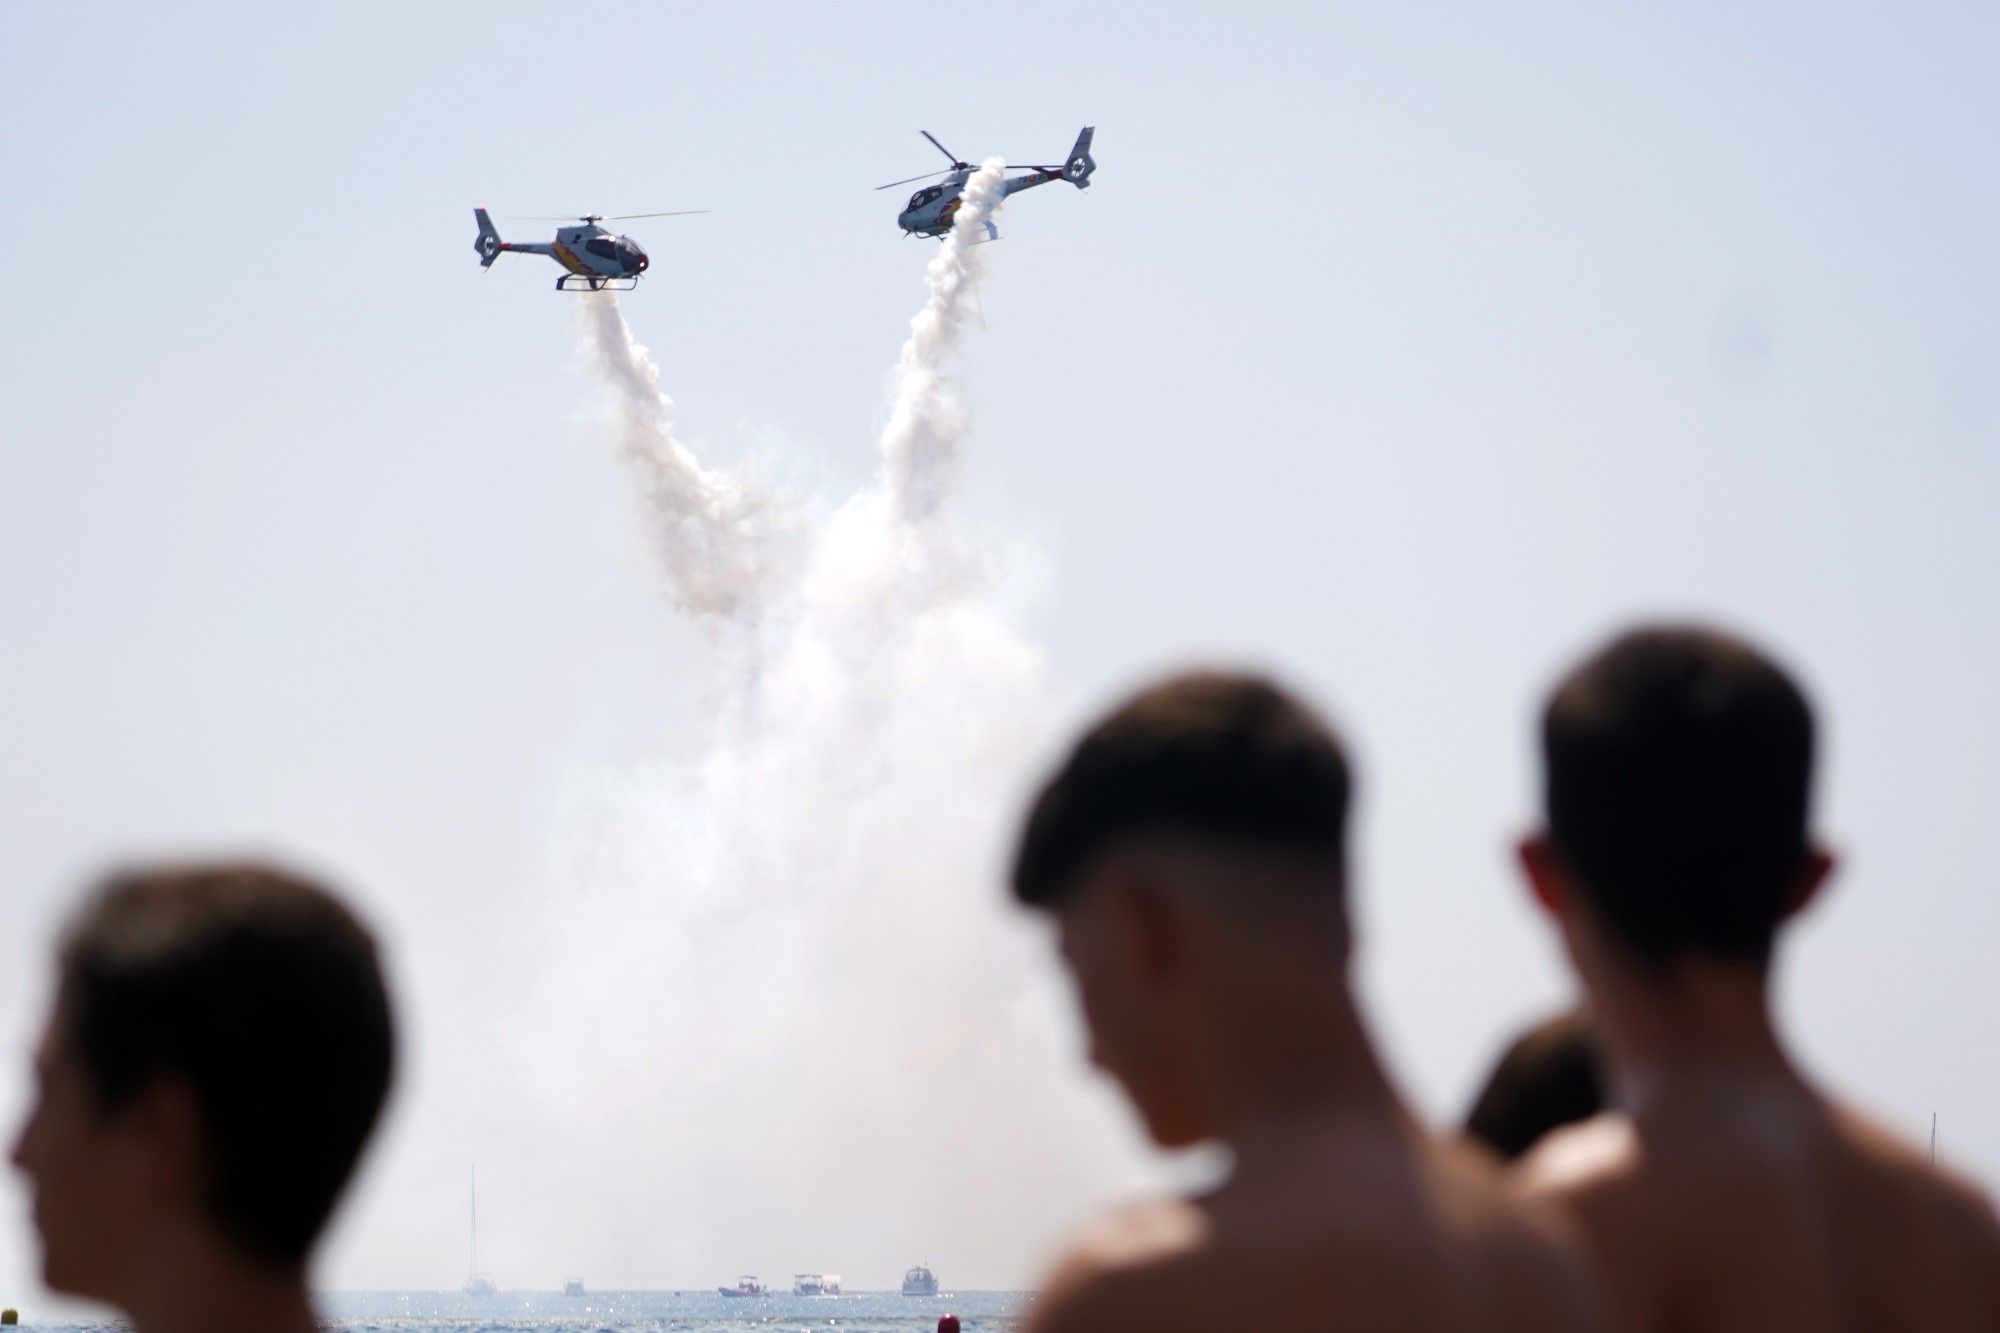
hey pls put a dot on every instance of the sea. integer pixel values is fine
(643, 1312)
(666, 1312)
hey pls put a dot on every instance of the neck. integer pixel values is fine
(200, 1287)
(1697, 1019)
(1294, 1064)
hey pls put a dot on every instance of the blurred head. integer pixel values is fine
(1678, 775)
(1551, 1076)
(217, 1053)
(1191, 849)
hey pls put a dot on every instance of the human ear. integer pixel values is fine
(1543, 871)
(1818, 869)
(1146, 923)
(165, 1123)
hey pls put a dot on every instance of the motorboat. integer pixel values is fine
(920, 1281)
(816, 1284)
(745, 1286)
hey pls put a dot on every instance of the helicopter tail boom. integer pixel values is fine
(1079, 164)
(488, 242)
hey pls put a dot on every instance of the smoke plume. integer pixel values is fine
(714, 533)
(831, 1043)
(927, 425)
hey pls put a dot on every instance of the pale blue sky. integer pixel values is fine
(1407, 348)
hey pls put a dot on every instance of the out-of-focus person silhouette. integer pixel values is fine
(1552, 1075)
(216, 1054)
(1728, 1192)
(1191, 850)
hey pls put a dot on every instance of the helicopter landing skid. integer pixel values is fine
(582, 282)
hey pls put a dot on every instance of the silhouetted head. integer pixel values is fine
(1192, 848)
(1551, 1076)
(219, 1048)
(1678, 774)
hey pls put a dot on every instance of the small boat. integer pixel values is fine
(816, 1284)
(573, 1287)
(920, 1281)
(745, 1286)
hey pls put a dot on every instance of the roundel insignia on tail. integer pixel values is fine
(1079, 166)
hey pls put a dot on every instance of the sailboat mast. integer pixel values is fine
(473, 1196)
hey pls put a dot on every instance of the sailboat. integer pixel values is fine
(478, 1284)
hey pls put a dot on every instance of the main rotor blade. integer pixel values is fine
(940, 147)
(681, 213)
(926, 176)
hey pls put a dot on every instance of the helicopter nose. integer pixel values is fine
(641, 262)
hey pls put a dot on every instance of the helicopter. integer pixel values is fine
(932, 209)
(597, 260)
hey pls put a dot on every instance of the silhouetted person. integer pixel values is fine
(1731, 1193)
(1551, 1076)
(1192, 851)
(217, 1052)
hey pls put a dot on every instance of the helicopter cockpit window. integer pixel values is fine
(602, 247)
(926, 196)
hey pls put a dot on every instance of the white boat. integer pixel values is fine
(478, 1284)
(573, 1287)
(920, 1281)
(816, 1284)
(746, 1286)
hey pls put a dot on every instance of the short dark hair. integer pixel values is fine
(1553, 1075)
(1223, 757)
(1678, 786)
(264, 993)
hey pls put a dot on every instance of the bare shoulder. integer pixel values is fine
(1593, 1177)
(1953, 1209)
(1118, 1272)
(1583, 1164)
(1529, 1247)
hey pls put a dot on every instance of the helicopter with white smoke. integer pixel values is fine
(594, 259)
(814, 876)
(934, 210)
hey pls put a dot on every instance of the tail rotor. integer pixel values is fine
(1080, 164)
(487, 243)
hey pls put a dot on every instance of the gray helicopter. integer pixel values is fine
(932, 209)
(595, 259)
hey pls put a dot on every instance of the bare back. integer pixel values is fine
(1745, 1209)
(1386, 1232)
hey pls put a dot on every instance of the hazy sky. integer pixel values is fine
(1409, 349)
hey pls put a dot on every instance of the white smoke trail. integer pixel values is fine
(920, 447)
(830, 1040)
(715, 533)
